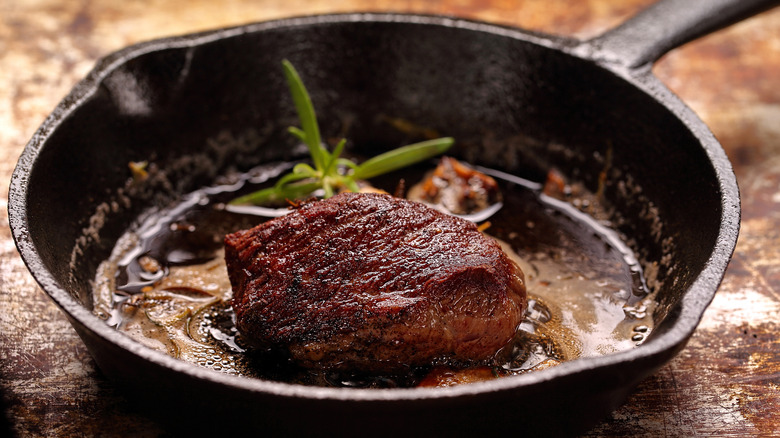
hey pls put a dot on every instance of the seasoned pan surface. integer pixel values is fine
(111, 86)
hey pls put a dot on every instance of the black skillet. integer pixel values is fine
(517, 101)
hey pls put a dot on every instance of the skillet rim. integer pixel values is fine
(689, 309)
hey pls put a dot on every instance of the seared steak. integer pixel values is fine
(366, 281)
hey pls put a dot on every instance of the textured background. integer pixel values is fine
(725, 382)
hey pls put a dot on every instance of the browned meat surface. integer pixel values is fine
(366, 281)
(446, 376)
(457, 188)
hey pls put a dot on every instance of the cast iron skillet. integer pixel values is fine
(198, 105)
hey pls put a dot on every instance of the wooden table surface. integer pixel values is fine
(724, 383)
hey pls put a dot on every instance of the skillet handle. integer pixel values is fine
(667, 24)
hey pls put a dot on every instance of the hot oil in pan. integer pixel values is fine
(166, 286)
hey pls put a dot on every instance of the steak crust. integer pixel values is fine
(369, 282)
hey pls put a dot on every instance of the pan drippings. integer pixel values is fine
(166, 287)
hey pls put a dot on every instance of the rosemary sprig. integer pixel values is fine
(330, 172)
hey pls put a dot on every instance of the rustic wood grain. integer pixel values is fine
(724, 383)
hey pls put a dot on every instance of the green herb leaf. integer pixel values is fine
(274, 195)
(310, 134)
(402, 157)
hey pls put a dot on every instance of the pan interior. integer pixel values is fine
(197, 108)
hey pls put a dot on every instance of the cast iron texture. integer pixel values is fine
(198, 105)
